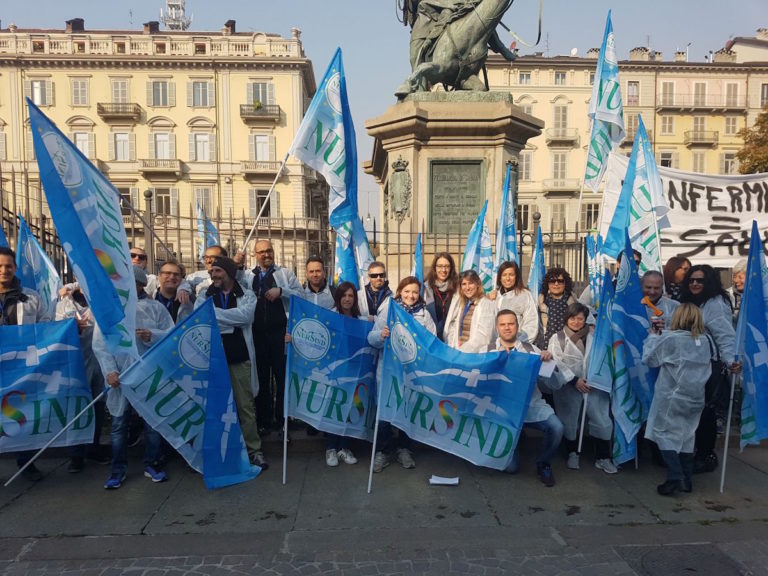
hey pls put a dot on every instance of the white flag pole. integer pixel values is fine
(285, 421)
(264, 205)
(583, 420)
(375, 438)
(56, 437)
(727, 434)
(584, 179)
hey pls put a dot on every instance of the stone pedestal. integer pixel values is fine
(437, 157)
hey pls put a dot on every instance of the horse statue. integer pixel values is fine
(450, 41)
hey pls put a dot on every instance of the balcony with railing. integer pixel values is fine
(259, 167)
(561, 136)
(160, 167)
(118, 111)
(713, 102)
(256, 113)
(561, 185)
(629, 137)
(700, 138)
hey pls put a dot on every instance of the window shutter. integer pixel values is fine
(174, 201)
(132, 147)
(86, 98)
(28, 89)
(91, 145)
(274, 204)
(111, 147)
(722, 163)
(172, 146)
(151, 145)
(30, 146)
(150, 101)
(252, 147)
(190, 94)
(253, 203)
(212, 147)
(270, 93)
(50, 93)
(135, 198)
(249, 94)
(211, 94)
(2, 145)
(272, 148)
(675, 160)
(192, 155)
(171, 93)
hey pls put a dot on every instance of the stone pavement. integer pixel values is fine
(323, 521)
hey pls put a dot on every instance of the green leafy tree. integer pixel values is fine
(753, 157)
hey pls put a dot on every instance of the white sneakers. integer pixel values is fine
(380, 461)
(573, 461)
(405, 457)
(333, 457)
(606, 465)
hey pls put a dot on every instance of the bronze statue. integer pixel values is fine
(450, 41)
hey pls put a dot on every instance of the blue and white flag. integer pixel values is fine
(642, 208)
(42, 386)
(605, 110)
(594, 248)
(3, 239)
(352, 255)
(478, 255)
(207, 235)
(35, 269)
(85, 208)
(325, 141)
(418, 262)
(538, 270)
(506, 235)
(633, 381)
(752, 345)
(469, 405)
(181, 388)
(330, 374)
(601, 359)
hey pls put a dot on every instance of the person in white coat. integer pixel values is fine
(234, 314)
(653, 290)
(570, 349)
(19, 306)
(471, 319)
(408, 297)
(684, 356)
(199, 280)
(152, 323)
(316, 288)
(702, 287)
(510, 294)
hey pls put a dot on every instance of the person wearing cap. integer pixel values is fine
(198, 281)
(234, 312)
(152, 323)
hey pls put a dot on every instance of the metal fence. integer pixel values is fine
(294, 238)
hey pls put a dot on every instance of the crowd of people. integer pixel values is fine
(691, 341)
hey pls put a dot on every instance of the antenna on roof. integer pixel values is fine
(175, 17)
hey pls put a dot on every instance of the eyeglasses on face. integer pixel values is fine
(138, 256)
(557, 281)
(377, 275)
(696, 281)
(167, 273)
(443, 267)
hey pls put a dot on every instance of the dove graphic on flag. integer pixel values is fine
(35, 269)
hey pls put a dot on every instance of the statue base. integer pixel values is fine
(437, 157)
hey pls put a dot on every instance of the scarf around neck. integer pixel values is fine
(578, 338)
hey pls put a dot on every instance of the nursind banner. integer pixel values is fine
(710, 215)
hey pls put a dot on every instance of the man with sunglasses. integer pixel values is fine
(373, 294)
(139, 258)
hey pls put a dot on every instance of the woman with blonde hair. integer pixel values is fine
(684, 355)
(470, 325)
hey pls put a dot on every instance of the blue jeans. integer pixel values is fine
(153, 444)
(553, 433)
(335, 441)
(679, 465)
(385, 440)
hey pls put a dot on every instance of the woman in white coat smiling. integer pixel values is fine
(471, 321)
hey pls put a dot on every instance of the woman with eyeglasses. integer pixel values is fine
(556, 295)
(511, 294)
(471, 322)
(409, 298)
(674, 273)
(701, 286)
(439, 289)
(570, 348)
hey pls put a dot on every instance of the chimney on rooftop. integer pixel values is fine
(641, 53)
(151, 27)
(75, 25)
(680, 56)
(229, 28)
(762, 33)
(593, 53)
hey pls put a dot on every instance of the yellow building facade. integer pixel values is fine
(194, 117)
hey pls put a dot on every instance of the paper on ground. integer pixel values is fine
(443, 481)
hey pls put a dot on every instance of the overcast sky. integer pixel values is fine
(375, 44)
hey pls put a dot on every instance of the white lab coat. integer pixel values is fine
(33, 311)
(573, 364)
(524, 305)
(718, 320)
(666, 305)
(482, 328)
(150, 315)
(284, 279)
(196, 282)
(324, 298)
(678, 398)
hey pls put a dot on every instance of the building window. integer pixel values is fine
(699, 94)
(591, 78)
(667, 125)
(731, 125)
(590, 213)
(763, 95)
(631, 122)
(79, 91)
(558, 216)
(633, 93)
(729, 164)
(699, 162)
(668, 93)
(699, 124)
(527, 108)
(125, 147)
(525, 214)
(731, 94)
(203, 199)
(125, 201)
(200, 147)
(260, 147)
(667, 159)
(524, 78)
(524, 166)
(256, 199)
(200, 94)
(161, 93)
(559, 165)
(561, 117)
(85, 142)
(162, 145)
(263, 92)
(41, 92)
(163, 201)
(119, 91)
(560, 78)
